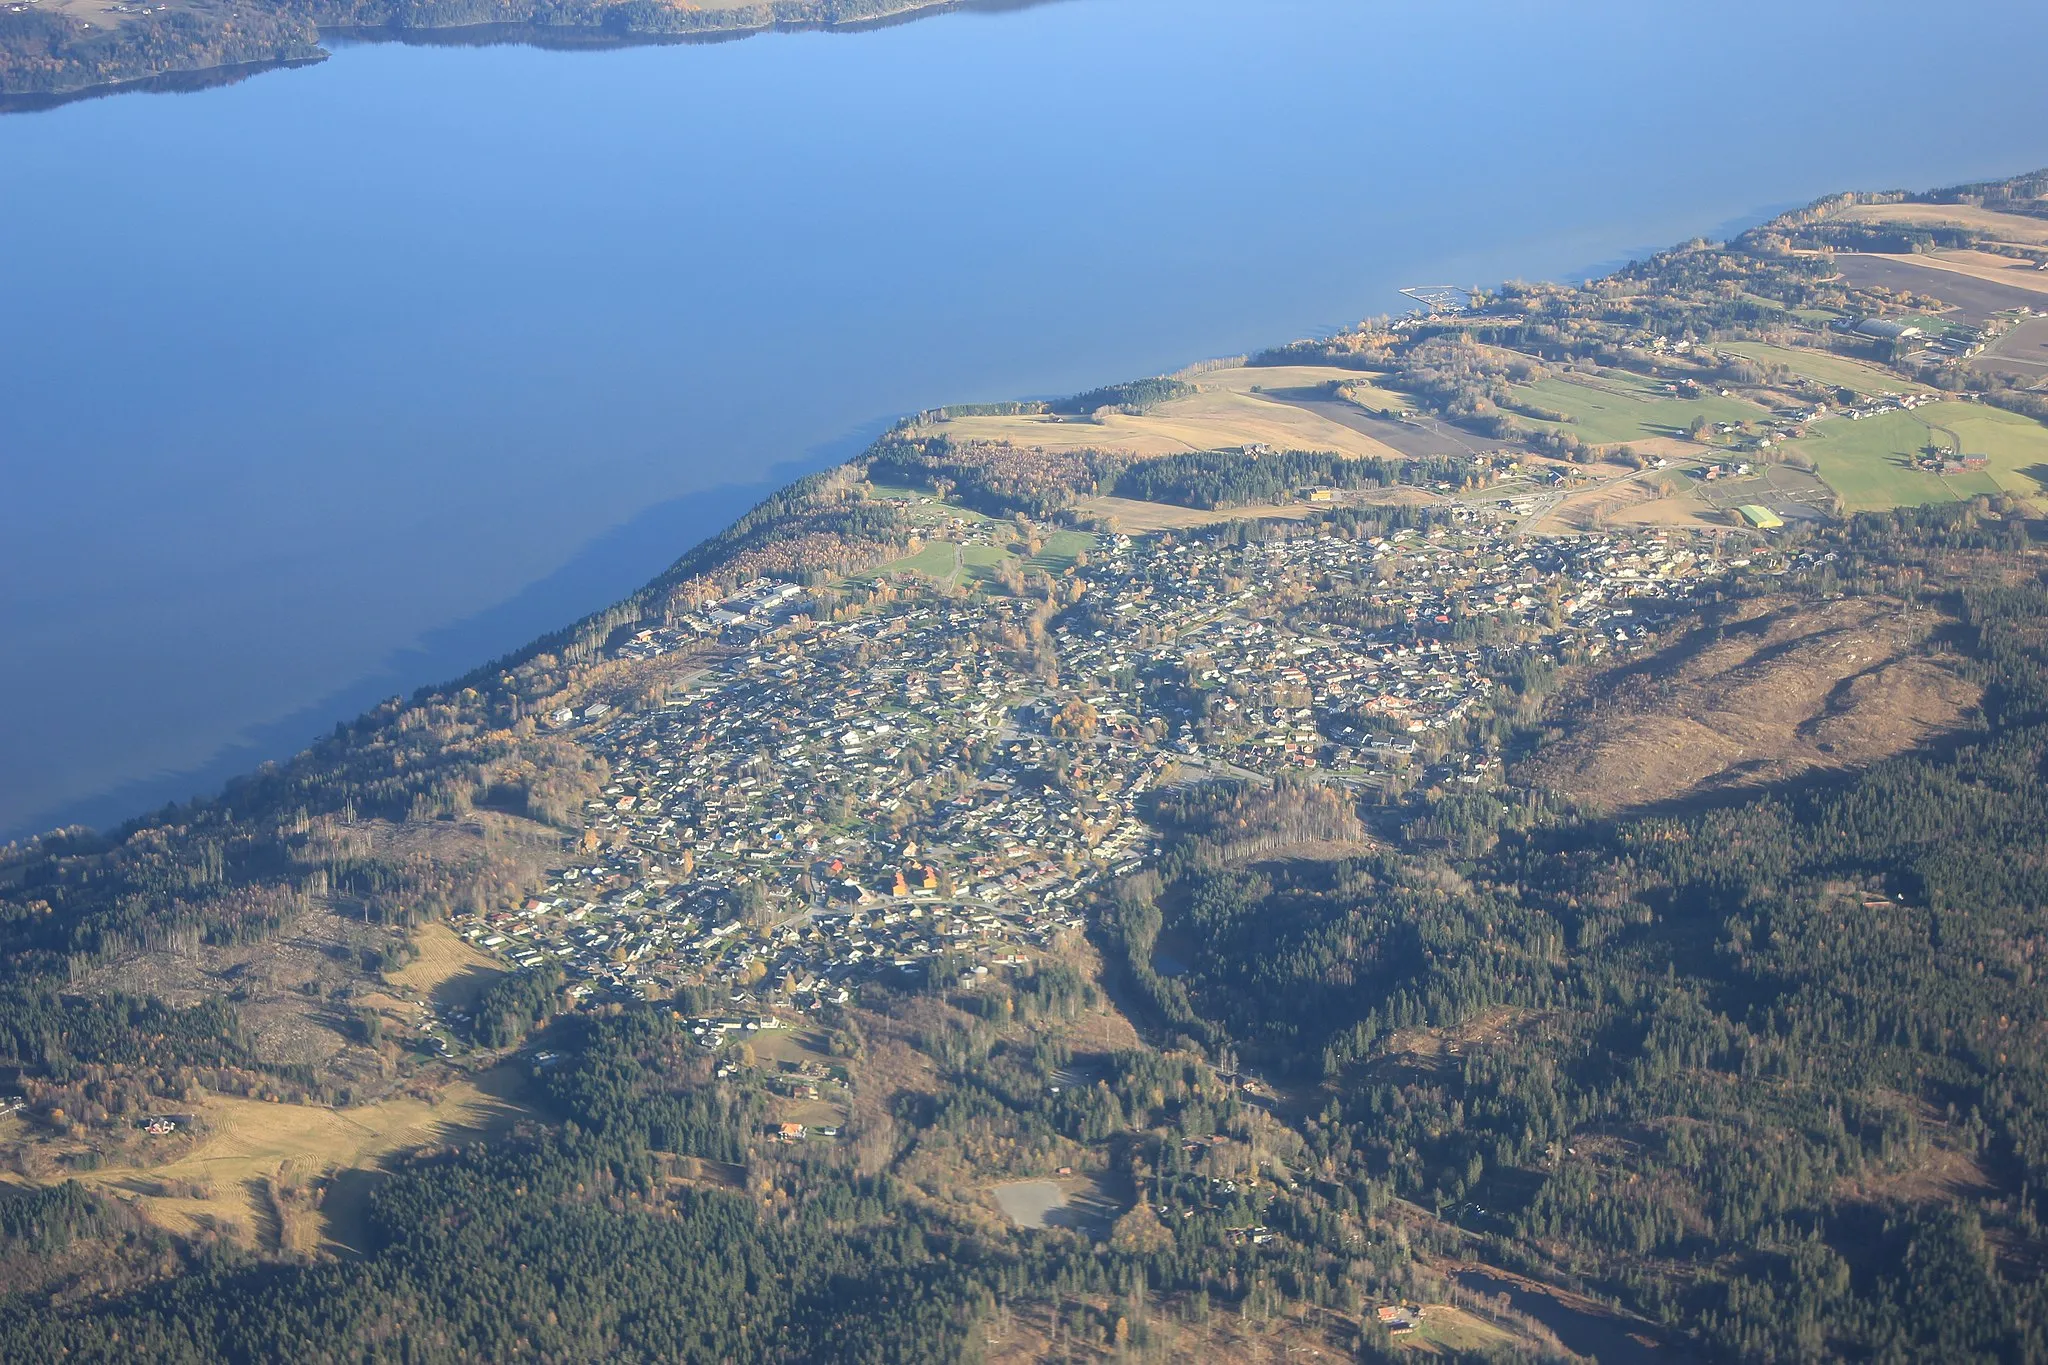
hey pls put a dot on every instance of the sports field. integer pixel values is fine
(1612, 410)
(1870, 463)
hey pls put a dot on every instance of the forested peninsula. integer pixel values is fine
(1513, 833)
(51, 50)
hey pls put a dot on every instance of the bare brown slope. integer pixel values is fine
(1783, 689)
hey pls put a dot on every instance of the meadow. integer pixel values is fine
(1619, 408)
(1870, 463)
(1834, 370)
(1061, 549)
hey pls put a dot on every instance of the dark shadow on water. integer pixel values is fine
(607, 569)
(561, 38)
(566, 38)
(168, 83)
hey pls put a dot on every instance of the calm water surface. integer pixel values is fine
(335, 382)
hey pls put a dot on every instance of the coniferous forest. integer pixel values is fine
(1756, 1072)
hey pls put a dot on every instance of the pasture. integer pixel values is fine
(925, 507)
(1833, 370)
(1062, 548)
(1619, 408)
(945, 561)
(939, 559)
(1870, 463)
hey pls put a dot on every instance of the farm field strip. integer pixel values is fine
(1870, 463)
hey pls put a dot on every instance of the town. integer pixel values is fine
(932, 789)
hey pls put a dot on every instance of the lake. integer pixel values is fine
(334, 382)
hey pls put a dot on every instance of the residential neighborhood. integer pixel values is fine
(932, 789)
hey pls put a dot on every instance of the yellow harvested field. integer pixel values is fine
(1216, 418)
(249, 1143)
(1245, 378)
(1362, 386)
(1133, 516)
(447, 969)
(1981, 265)
(2008, 227)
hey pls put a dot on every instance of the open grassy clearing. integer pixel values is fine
(936, 560)
(223, 1181)
(1821, 367)
(1062, 548)
(1442, 1328)
(448, 970)
(978, 563)
(926, 506)
(1870, 463)
(2006, 227)
(1617, 410)
(948, 561)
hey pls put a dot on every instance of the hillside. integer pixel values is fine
(1277, 860)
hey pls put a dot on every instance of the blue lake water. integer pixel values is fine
(336, 381)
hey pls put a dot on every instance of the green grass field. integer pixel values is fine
(1838, 371)
(978, 562)
(940, 559)
(933, 561)
(934, 511)
(1628, 410)
(1870, 463)
(1062, 549)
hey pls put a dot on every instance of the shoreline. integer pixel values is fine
(491, 33)
(162, 83)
